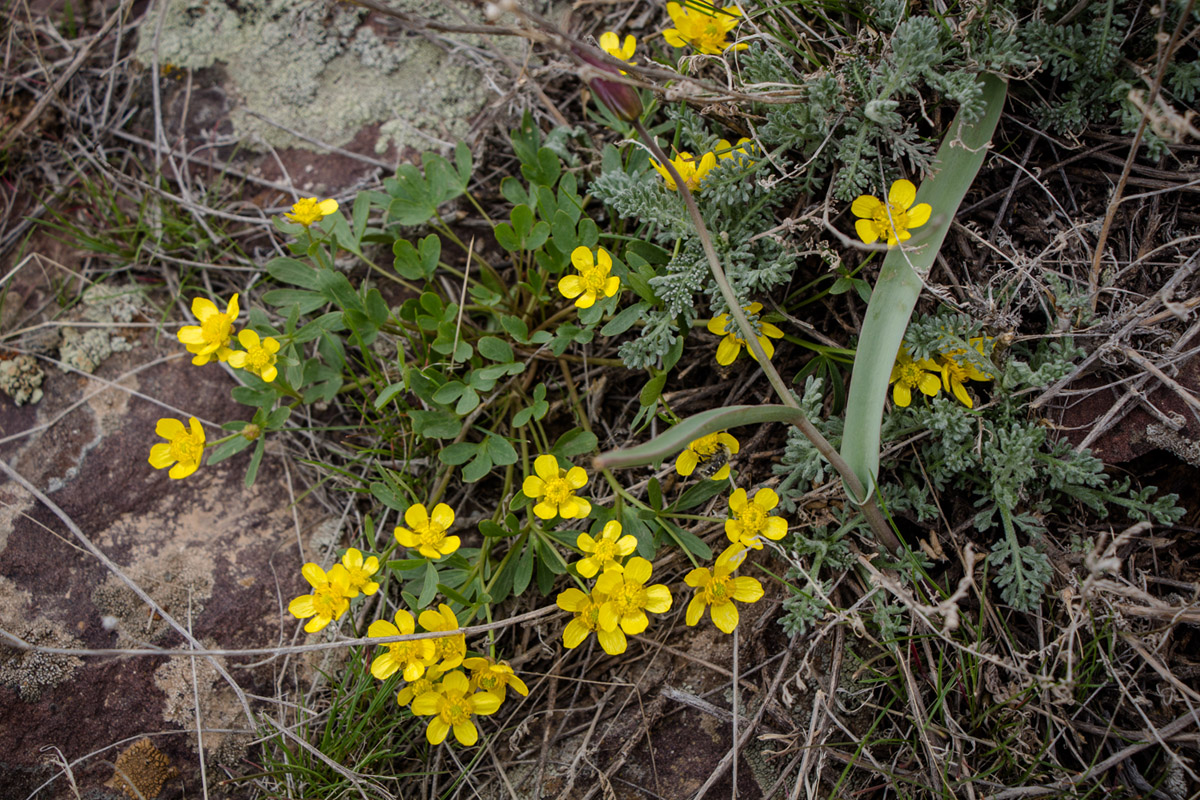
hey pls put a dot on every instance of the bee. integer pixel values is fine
(711, 464)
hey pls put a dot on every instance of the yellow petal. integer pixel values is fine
(327, 207)
(766, 499)
(381, 627)
(425, 704)
(443, 515)
(417, 517)
(570, 286)
(170, 428)
(901, 394)
(436, 732)
(658, 599)
(718, 325)
(314, 575)
(865, 206)
(385, 666)
(248, 338)
(574, 634)
(695, 609)
(727, 350)
(747, 590)
(725, 616)
(302, 607)
(686, 463)
(929, 384)
(613, 642)
(866, 231)
(582, 259)
(637, 570)
(546, 467)
(902, 194)
(576, 478)
(160, 456)
(918, 215)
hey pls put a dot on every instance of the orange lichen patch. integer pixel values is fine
(141, 771)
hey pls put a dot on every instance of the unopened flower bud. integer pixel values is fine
(621, 99)
(251, 431)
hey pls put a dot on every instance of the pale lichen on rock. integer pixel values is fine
(21, 379)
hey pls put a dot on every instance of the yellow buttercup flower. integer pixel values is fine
(890, 221)
(711, 453)
(741, 151)
(956, 372)
(908, 375)
(689, 170)
(752, 518)
(183, 448)
(586, 608)
(452, 706)
(428, 531)
(704, 29)
(329, 598)
(410, 658)
(594, 278)
(555, 488)
(606, 552)
(450, 650)
(258, 357)
(628, 598)
(731, 346)
(308, 210)
(210, 339)
(717, 590)
(426, 683)
(360, 572)
(612, 44)
(494, 677)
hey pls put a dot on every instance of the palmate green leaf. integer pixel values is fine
(900, 280)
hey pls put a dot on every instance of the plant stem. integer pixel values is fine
(879, 526)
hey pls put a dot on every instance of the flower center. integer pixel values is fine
(358, 576)
(706, 445)
(753, 518)
(718, 591)
(446, 647)
(888, 217)
(629, 597)
(911, 374)
(558, 491)
(422, 686)
(432, 536)
(590, 616)
(489, 681)
(404, 652)
(957, 373)
(455, 711)
(605, 551)
(594, 279)
(259, 359)
(186, 449)
(327, 600)
(215, 329)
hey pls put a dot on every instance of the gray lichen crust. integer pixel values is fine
(21, 379)
(331, 75)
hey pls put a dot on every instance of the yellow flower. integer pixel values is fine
(586, 609)
(711, 453)
(890, 221)
(606, 552)
(426, 683)
(182, 446)
(452, 706)
(691, 172)
(308, 210)
(360, 572)
(555, 489)
(741, 151)
(717, 590)
(494, 677)
(908, 375)
(731, 346)
(593, 279)
(628, 598)
(450, 650)
(210, 339)
(428, 532)
(329, 599)
(412, 658)
(258, 357)
(612, 44)
(752, 518)
(955, 373)
(703, 30)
